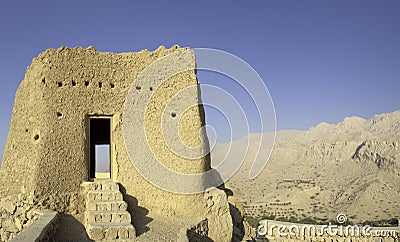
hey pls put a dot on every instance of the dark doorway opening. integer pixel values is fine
(100, 147)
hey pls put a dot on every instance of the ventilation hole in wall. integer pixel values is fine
(36, 137)
(59, 84)
(73, 83)
(151, 89)
(138, 88)
(44, 81)
(59, 115)
(173, 114)
(26, 130)
(87, 83)
(100, 84)
(112, 85)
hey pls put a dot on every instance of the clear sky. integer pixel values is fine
(321, 60)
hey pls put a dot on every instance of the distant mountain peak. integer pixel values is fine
(353, 119)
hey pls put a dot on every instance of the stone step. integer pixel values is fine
(111, 205)
(111, 231)
(107, 186)
(102, 185)
(104, 195)
(107, 217)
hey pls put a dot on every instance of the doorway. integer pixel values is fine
(100, 147)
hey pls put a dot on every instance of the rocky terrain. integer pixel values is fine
(16, 214)
(347, 168)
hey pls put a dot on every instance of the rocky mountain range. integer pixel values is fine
(351, 168)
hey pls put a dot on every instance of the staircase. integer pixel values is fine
(106, 216)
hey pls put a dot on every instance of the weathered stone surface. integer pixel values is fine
(43, 229)
(111, 233)
(219, 219)
(16, 217)
(46, 150)
(249, 232)
(8, 205)
(46, 155)
(96, 233)
(106, 217)
(9, 226)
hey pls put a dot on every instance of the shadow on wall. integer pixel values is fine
(70, 229)
(238, 226)
(139, 217)
(194, 236)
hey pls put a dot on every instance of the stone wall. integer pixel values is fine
(47, 150)
(16, 214)
(43, 229)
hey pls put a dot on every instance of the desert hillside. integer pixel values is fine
(351, 167)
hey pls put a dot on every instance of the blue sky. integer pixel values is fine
(321, 60)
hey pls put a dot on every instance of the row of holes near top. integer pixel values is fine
(87, 84)
(74, 83)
